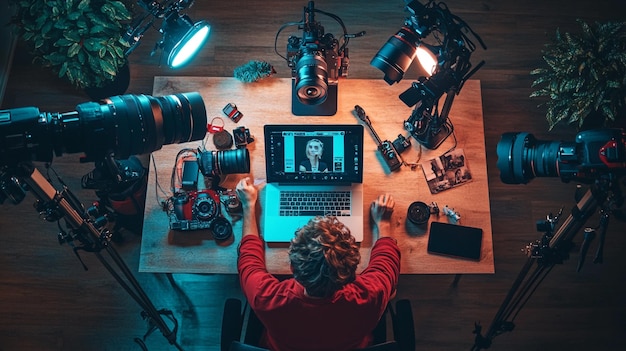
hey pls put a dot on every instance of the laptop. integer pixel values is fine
(312, 170)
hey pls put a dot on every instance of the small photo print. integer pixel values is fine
(447, 171)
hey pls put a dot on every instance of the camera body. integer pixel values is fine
(401, 143)
(390, 155)
(317, 61)
(391, 151)
(320, 49)
(199, 209)
(191, 208)
(594, 154)
(242, 137)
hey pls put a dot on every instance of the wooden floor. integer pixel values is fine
(48, 302)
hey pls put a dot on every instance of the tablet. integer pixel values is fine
(455, 240)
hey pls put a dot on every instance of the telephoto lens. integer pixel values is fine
(122, 125)
(521, 157)
(594, 154)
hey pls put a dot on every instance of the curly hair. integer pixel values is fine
(324, 256)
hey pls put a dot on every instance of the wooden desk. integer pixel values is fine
(269, 102)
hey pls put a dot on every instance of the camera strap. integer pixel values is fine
(213, 128)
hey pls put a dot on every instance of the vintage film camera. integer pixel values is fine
(191, 208)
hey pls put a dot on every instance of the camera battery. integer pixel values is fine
(231, 111)
(190, 175)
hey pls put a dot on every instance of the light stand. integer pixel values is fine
(552, 249)
(54, 205)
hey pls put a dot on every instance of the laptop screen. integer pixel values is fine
(320, 154)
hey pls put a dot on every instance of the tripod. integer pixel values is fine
(94, 237)
(552, 249)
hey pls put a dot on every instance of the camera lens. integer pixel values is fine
(224, 162)
(521, 157)
(395, 57)
(205, 207)
(124, 125)
(311, 81)
(135, 124)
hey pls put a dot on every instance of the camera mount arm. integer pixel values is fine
(91, 232)
(544, 254)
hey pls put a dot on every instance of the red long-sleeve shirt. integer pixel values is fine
(294, 321)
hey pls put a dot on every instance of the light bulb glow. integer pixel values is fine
(427, 59)
(189, 45)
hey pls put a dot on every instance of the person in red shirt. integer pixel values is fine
(326, 305)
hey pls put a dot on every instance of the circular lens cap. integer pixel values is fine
(221, 228)
(418, 213)
(223, 140)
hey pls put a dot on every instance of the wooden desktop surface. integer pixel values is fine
(269, 102)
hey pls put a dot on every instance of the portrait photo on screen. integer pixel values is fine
(314, 153)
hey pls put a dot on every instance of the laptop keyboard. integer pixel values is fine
(319, 203)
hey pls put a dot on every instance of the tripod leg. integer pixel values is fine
(65, 205)
(604, 224)
(140, 296)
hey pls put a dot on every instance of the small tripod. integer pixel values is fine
(552, 249)
(91, 232)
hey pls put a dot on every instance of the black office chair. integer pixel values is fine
(234, 316)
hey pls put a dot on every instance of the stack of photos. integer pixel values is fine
(447, 171)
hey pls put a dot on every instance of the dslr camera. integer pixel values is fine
(193, 209)
(316, 60)
(200, 209)
(594, 154)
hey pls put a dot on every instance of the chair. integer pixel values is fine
(234, 337)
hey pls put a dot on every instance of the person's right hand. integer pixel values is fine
(247, 193)
(380, 210)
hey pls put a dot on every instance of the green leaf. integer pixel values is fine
(63, 69)
(108, 68)
(83, 5)
(63, 42)
(72, 36)
(73, 16)
(97, 29)
(73, 49)
(81, 23)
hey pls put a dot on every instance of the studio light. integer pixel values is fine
(438, 39)
(182, 38)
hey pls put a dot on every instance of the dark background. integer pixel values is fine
(48, 302)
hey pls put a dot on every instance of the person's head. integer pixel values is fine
(314, 147)
(324, 256)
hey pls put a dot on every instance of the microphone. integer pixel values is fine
(253, 71)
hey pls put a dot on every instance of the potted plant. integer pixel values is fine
(80, 40)
(584, 79)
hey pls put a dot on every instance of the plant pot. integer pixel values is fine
(118, 86)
